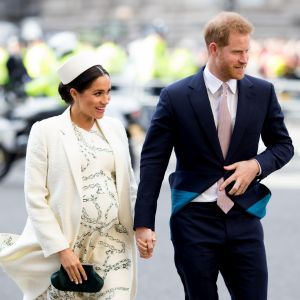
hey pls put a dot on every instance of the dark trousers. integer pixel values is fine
(207, 241)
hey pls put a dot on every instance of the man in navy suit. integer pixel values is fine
(206, 239)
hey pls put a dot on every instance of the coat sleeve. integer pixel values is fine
(155, 157)
(279, 147)
(44, 222)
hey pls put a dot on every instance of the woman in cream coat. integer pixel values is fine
(79, 192)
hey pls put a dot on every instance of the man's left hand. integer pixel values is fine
(244, 173)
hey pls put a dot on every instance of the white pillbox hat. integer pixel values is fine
(76, 65)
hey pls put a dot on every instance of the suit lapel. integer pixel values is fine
(200, 102)
(71, 148)
(244, 111)
(201, 105)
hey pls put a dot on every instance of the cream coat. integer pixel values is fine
(54, 200)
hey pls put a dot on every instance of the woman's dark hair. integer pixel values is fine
(81, 82)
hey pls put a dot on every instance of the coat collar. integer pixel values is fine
(71, 148)
(199, 100)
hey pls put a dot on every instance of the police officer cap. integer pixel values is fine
(76, 65)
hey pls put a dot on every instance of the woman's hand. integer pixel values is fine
(72, 265)
(145, 240)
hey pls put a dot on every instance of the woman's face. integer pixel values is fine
(91, 103)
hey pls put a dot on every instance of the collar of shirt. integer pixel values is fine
(213, 83)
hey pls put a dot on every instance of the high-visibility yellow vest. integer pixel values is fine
(3, 68)
(113, 57)
(39, 60)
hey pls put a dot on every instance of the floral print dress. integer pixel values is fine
(102, 240)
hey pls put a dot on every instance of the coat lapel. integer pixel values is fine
(201, 105)
(114, 142)
(119, 145)
(71, 148)
(244, 111)
(200, 102)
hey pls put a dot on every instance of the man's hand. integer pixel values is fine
(145, 239)
(72, 265)
(244, 173)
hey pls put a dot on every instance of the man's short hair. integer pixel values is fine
(218, 29)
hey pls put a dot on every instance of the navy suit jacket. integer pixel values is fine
(183, 120)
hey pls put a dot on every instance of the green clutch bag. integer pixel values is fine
(61, 281)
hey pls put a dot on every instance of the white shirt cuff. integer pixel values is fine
(259, 172)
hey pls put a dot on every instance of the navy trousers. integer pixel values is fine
(206, 241)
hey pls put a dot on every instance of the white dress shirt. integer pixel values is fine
(214, 91)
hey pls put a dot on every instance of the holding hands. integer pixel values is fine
(146, 240)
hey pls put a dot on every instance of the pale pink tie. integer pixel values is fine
(224, 134)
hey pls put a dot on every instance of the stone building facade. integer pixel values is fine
(128, 19)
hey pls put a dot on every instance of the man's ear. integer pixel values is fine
(212, 48)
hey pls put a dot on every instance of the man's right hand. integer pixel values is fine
(145, 239)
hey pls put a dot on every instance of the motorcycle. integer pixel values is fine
(11, 145)
(15, 126)
(16, 123)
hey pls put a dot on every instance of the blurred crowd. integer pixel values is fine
(275, 58)
(28, 62)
